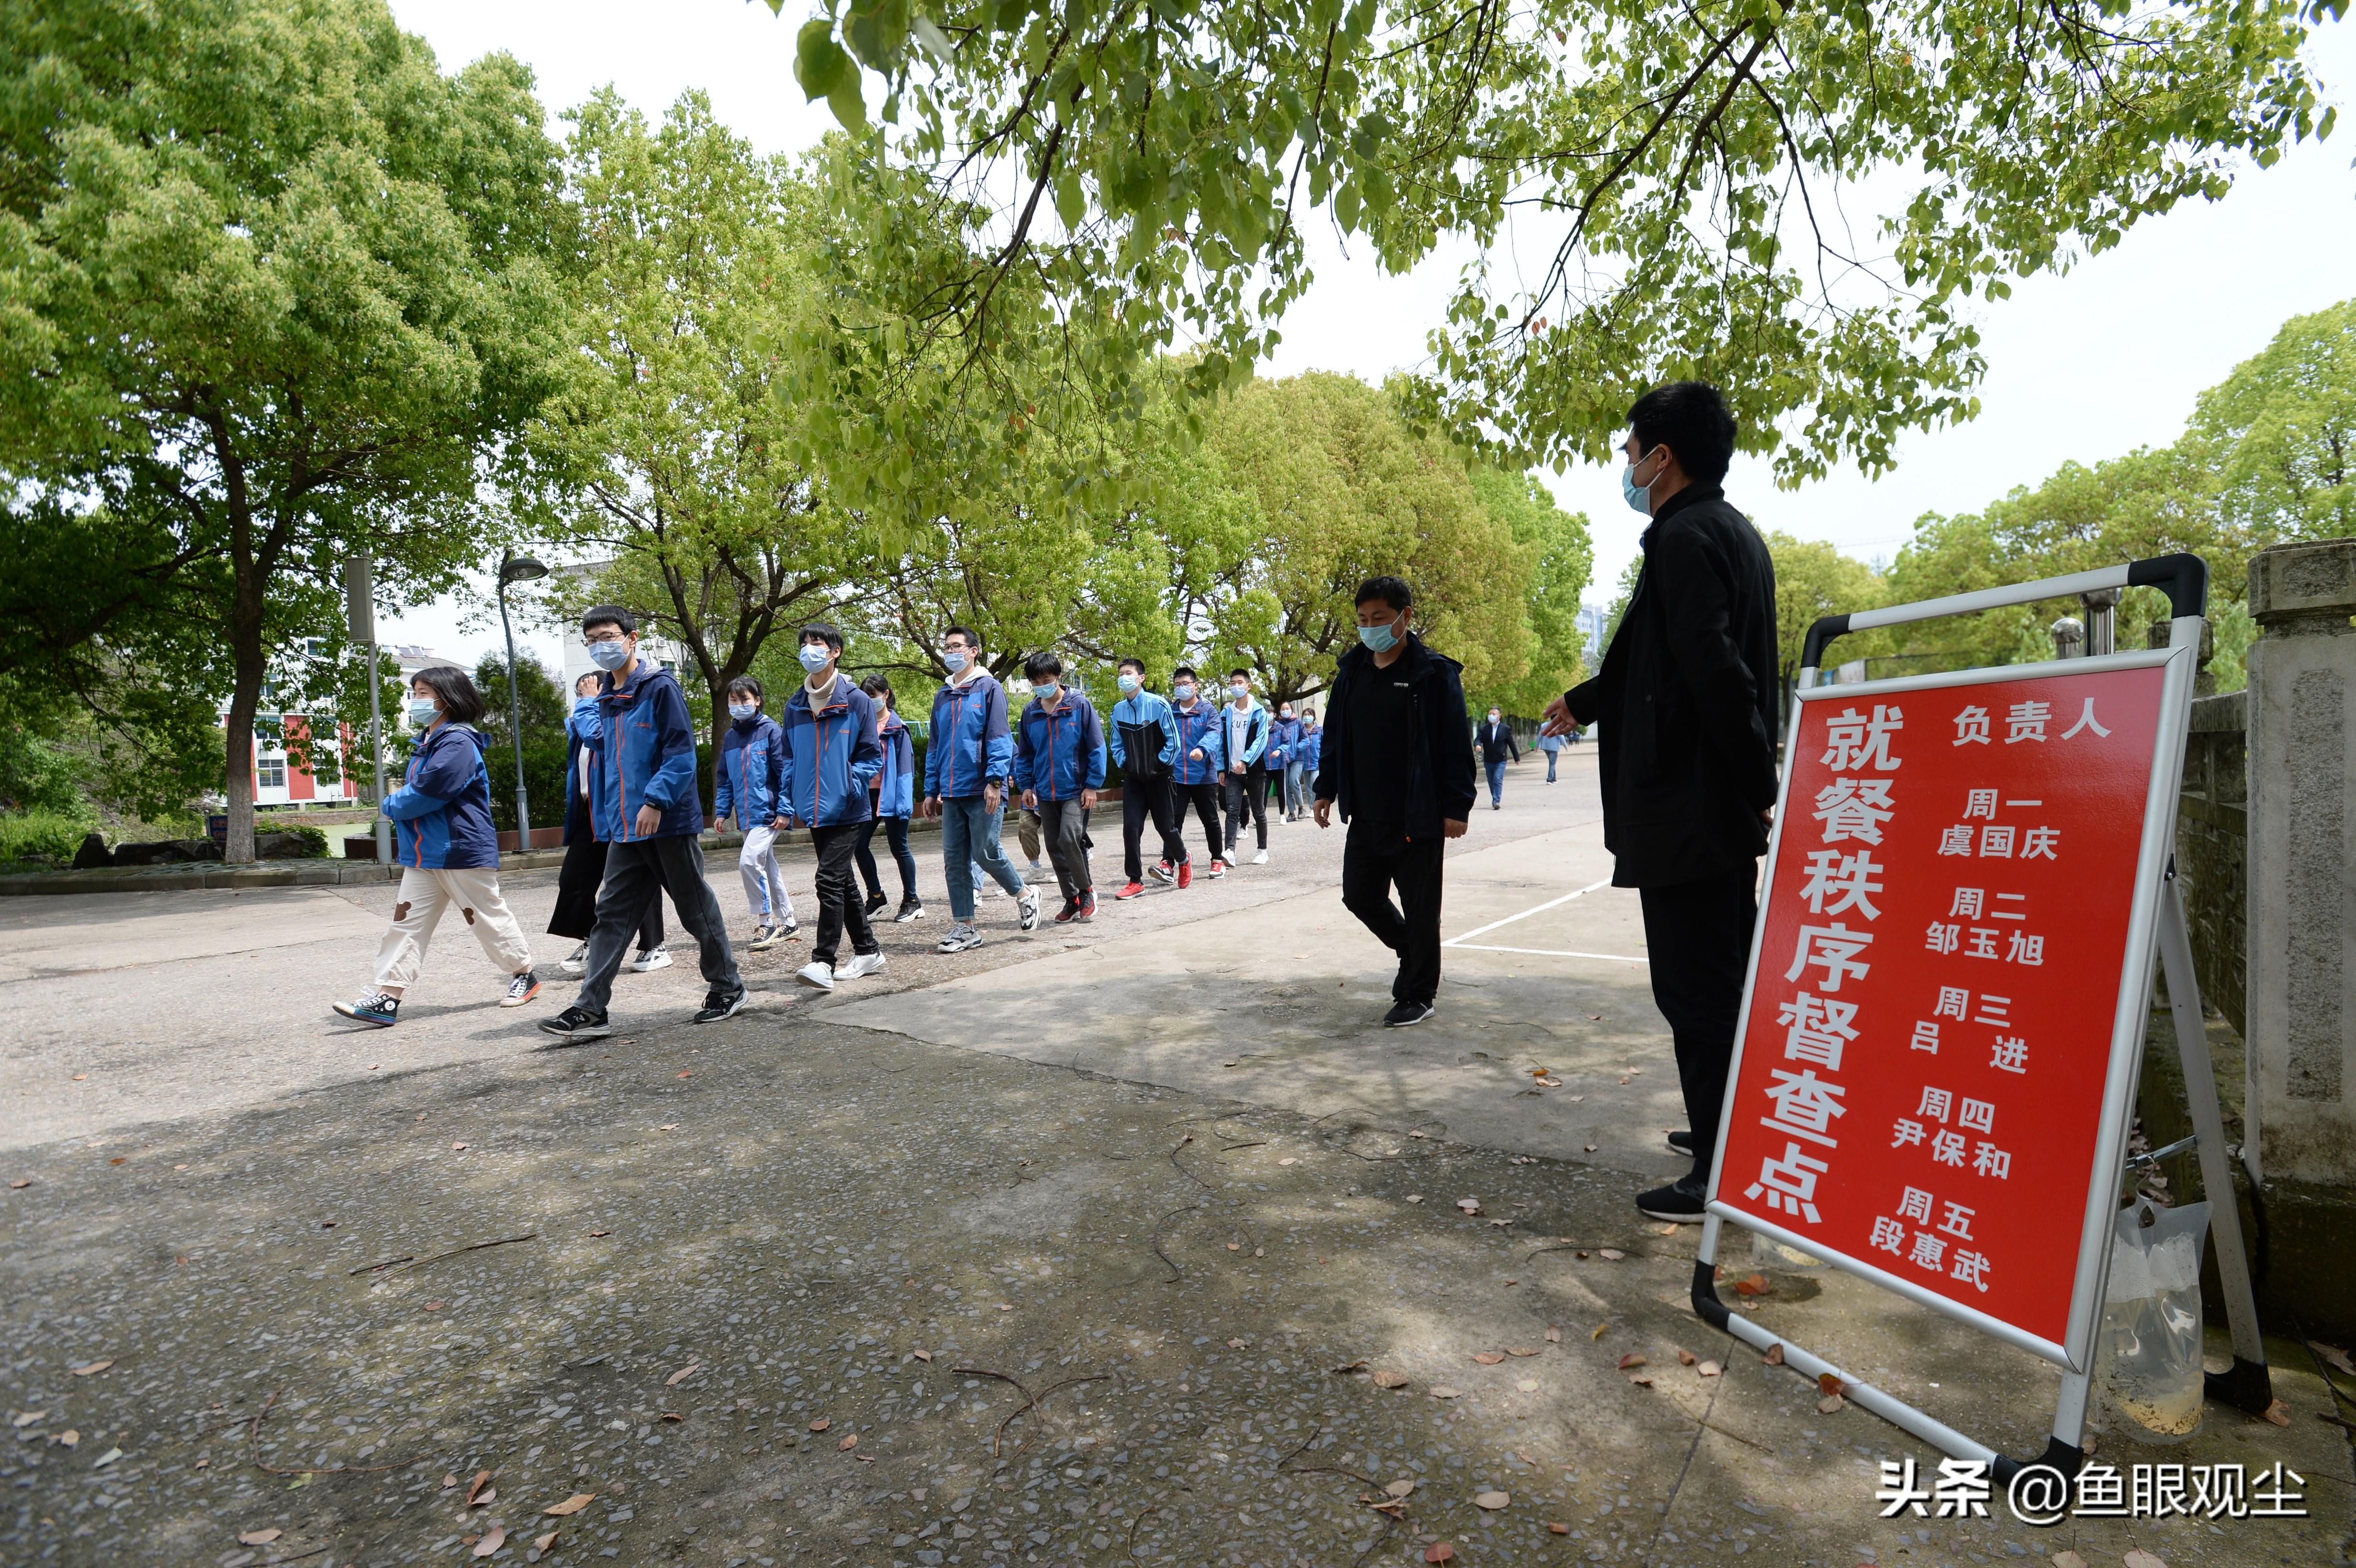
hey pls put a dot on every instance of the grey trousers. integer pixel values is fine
(633, 871)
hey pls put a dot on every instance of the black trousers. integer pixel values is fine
(1370, 870)
(1142, 799)
(1203, 798)
(895, 834)
(636, 874)
(839, 903)
(1246, 796)
(1697, 935)
(1064, 825)
(575, 915)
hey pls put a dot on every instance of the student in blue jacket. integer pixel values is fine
(968, 755)
(1059, 765)
(575, 915)
(448, 852)
(1283, 757)
(643, 803)
(1144, 738)
(747, 787)
(893, 799)
(832, 757)
(1243, 735)
(1194, 773)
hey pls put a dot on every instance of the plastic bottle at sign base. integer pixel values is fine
(1938, 984)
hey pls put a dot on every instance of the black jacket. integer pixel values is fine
(1440, 778)
(1687, 698)
(1496, 743)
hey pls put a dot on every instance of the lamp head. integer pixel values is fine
(521, 569)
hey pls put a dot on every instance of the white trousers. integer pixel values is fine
(424, 896)
(764, 884)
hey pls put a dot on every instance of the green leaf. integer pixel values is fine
(820, 64)
(1071, 201)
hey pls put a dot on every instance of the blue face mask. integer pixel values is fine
(955, 659)
(422, 712)
(1379, 639)
(610, 656)
(816, 657)
(1638, 497)
(1182, 692)
(1128, 685)
(743, 710)
(1047, 692)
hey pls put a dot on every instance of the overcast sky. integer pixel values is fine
(2086, 366)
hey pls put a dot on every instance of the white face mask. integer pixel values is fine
(743, 710)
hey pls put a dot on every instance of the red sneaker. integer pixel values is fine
(1161, 871)
(1218, 869)
(1131, 891)
(1185, 873)
(1085, 907)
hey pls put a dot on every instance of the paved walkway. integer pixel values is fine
(1160, 1174)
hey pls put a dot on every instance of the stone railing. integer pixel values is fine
(2212, 831)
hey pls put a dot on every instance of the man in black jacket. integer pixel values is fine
(1496, 739)
(1397, 758)
(1687, 698)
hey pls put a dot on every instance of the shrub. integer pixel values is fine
(51, 834)
(313, 841)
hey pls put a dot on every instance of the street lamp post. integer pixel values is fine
(517, 569)
(359, 607)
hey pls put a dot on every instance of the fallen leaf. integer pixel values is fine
(80, 1076)
(1641, 1380)
(118, 1159)
(457, 1148)
(1599, 1327)
(1006, 1306)
(667, 1127)
(1357, 1366)
(68, 1438)
(478, 1490)
(1488, 1358)
(103, 1460)
(1400, 1488)
(1830, 1404)
(820, 1425)
(2068, 1560)
(24, 1182)
(689, 1073)
(449, 1480)
(922, 1354)
(601, 1233)
(1521, 1349)
(1610, 1254)
(2278, 1413)
(682, 1375)
(1753, 1284)
(493, 1538)
(1528, 1385)
(672, 1415)
(1555, 1529)
(570, 1506)
(1412, 1197)
(1633, 1359)
(1575, 1099)
(1391, 1379)
(1470, 1205)
(1289, 1159)
(1709, 1369)
(1554, 1335)
(259, 1537)
(847, 1444)
(1774, 1356)
(1685, 1357)
(1501, 1221)
(1440, 1552)
(92, 1368)
(1442, 1391)
(1493, 1499)
(433, 1307)
(542, 1543)
(27, 1417)
(2141, 1559)
(1417, 1135)
(1591, 1149)
(1827, 1383)
(2335, 1355)
(1669, 1229)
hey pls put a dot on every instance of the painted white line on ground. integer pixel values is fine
(1550, 903)
(1544, 951)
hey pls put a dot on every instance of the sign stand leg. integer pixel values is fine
(2248, 1387)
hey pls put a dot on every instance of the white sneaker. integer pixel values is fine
(817, 974)
(1027, 909)
(577, 961)
(766, 936)
(860, 964)
(652, 958)
(959, 939)
(1260, 858)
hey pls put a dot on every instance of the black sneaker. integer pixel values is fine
(577, 1023)
(1405, 1015)
(1682, 1143)
(718, 1005)
(375, 1008)
(910, 909)
(1680, 1200)
(1063, 916)
(876, 903)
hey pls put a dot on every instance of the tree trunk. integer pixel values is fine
(245, 699)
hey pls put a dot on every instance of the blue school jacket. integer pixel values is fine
(1203, 728)
(1060, 752)
(752, 771)
(831, 755)
(645, 755)
(970, 745)
(442, 812)
(896, 792)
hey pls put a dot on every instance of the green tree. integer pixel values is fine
(1564, 558)
(2280, 432)
(1159, 164)
(276, 291)
(543, 706)
(1814, 580)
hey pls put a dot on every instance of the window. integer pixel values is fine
(271, 770)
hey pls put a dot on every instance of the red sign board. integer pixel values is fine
(1921, 1079)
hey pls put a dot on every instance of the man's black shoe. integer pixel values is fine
(1406, 1014)
(718, 1005)
(577, 1023)
(1680, 1200)
(1682, 1143)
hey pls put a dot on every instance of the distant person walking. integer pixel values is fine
(1687, 697)
(584, 870)
(1244, 726)
(1195, 777)
(1397, 761)
(1496, 739)
(1059, 765)
(643, 801)
(1144, 740)
(748, 786)
(448, 852)
(1284, 760)
(1551, 745)
(894, 795)
(967, 758)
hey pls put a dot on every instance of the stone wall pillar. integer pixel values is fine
(2301, 958)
